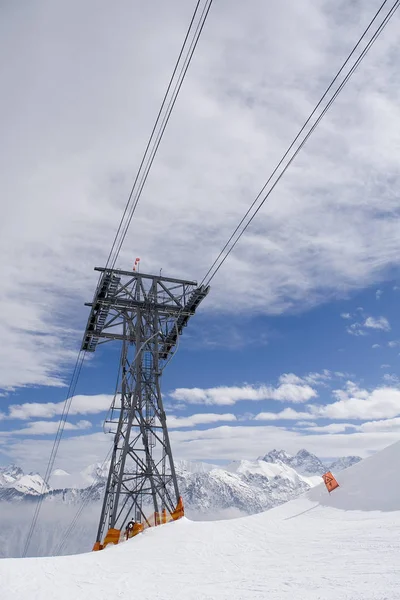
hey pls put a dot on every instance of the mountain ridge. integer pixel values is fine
(262, 483)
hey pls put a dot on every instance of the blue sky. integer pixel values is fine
(297, 343)
(223, 356)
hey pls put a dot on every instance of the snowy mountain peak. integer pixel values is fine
(274, 455)
(308, 464)
(12, 470)
(304, 462)
(60, 473)
(13, 478)
(31, 484)
(9, 475)
(344, 463)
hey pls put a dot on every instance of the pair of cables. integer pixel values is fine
(185, 56)
(352, 62)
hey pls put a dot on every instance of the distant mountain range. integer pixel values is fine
(244, 486)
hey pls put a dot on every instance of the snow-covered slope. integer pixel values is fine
(342, 546)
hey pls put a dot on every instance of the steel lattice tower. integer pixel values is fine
(146, 313)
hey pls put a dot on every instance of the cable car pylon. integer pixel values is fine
(146, 314)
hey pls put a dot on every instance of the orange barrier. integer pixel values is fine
(97, 546)
(330, 481)
(179, 511)
(114, 535)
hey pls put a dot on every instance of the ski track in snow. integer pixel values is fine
(344, 546)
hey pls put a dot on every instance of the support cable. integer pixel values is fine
(159, 129)
(122, 231)
(56, 444)
(82, 506)
(227, 249)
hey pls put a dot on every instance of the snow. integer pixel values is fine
(343, 546)
(31, 484)
(344, 463)
(303, 462)
(61, 479)
(60, 473)
(265, 469)
(187, 466)
(13, 478)
(8, 475)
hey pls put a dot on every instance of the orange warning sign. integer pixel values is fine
(330, 481)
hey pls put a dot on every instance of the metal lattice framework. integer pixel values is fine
(147, 314)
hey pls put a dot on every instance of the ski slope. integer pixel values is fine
(342, 546)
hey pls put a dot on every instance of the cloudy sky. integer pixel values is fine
(297, 344)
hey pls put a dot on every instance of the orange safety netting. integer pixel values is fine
(116, 535)
(330, 481)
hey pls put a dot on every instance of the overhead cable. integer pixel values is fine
(54, 450)
(86, 498)
(294, 149)
(182, 64)
(184, 59)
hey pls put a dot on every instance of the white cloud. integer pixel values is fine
(291, 378)
(369, 323)
(382, 425)
(378, 294)
(355, 329)
(361, 404)
(223, 442)
(174, 422)
(237, 442)
(391, 378)
(322, 378)
(224, 395)
(71, 143)
(80, 405)
(286, 414)
(345, 315)
(46, 428)
(75, 452)
(393, 343)
(377, 323)
(376, 346)
(333, 428)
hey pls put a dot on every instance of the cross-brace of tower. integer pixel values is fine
(146, 313)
